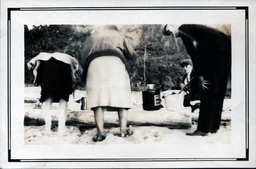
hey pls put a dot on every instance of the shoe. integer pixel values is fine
(214, 131)
(198, 133)
(194, 107)
(126, 134)
(98, 138)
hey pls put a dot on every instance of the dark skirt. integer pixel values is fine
(55, 80)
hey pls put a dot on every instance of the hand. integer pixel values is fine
(200, 82)
(204, 83)
(30, 66)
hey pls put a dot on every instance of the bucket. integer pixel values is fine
(173, 100)
(151, 98)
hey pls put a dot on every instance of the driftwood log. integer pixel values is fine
(136, 116)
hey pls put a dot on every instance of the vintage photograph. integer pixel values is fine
(107, 85)
(127, 84)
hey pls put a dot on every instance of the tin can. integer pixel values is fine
(151, 98)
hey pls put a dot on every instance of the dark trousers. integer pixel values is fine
(213, 97)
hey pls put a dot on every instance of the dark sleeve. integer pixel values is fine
(183, 78)
(188, 35)
(211, 44)
(207, 37)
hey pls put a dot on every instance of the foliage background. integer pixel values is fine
(161, 54)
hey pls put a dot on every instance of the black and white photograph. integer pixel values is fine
(105, 85)
(153, 94)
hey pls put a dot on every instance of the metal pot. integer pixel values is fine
(151, 98)
(173, 100)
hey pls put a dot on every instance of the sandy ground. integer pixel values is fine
(161, 132)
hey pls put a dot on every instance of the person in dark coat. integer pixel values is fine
(190, 86)
(210, 51)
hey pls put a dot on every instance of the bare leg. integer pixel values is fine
(99, 120)
(63, 107)
(47, 104)
(122, 115)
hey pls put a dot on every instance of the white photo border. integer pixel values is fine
(10, 27)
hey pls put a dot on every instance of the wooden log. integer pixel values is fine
(136, 116)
